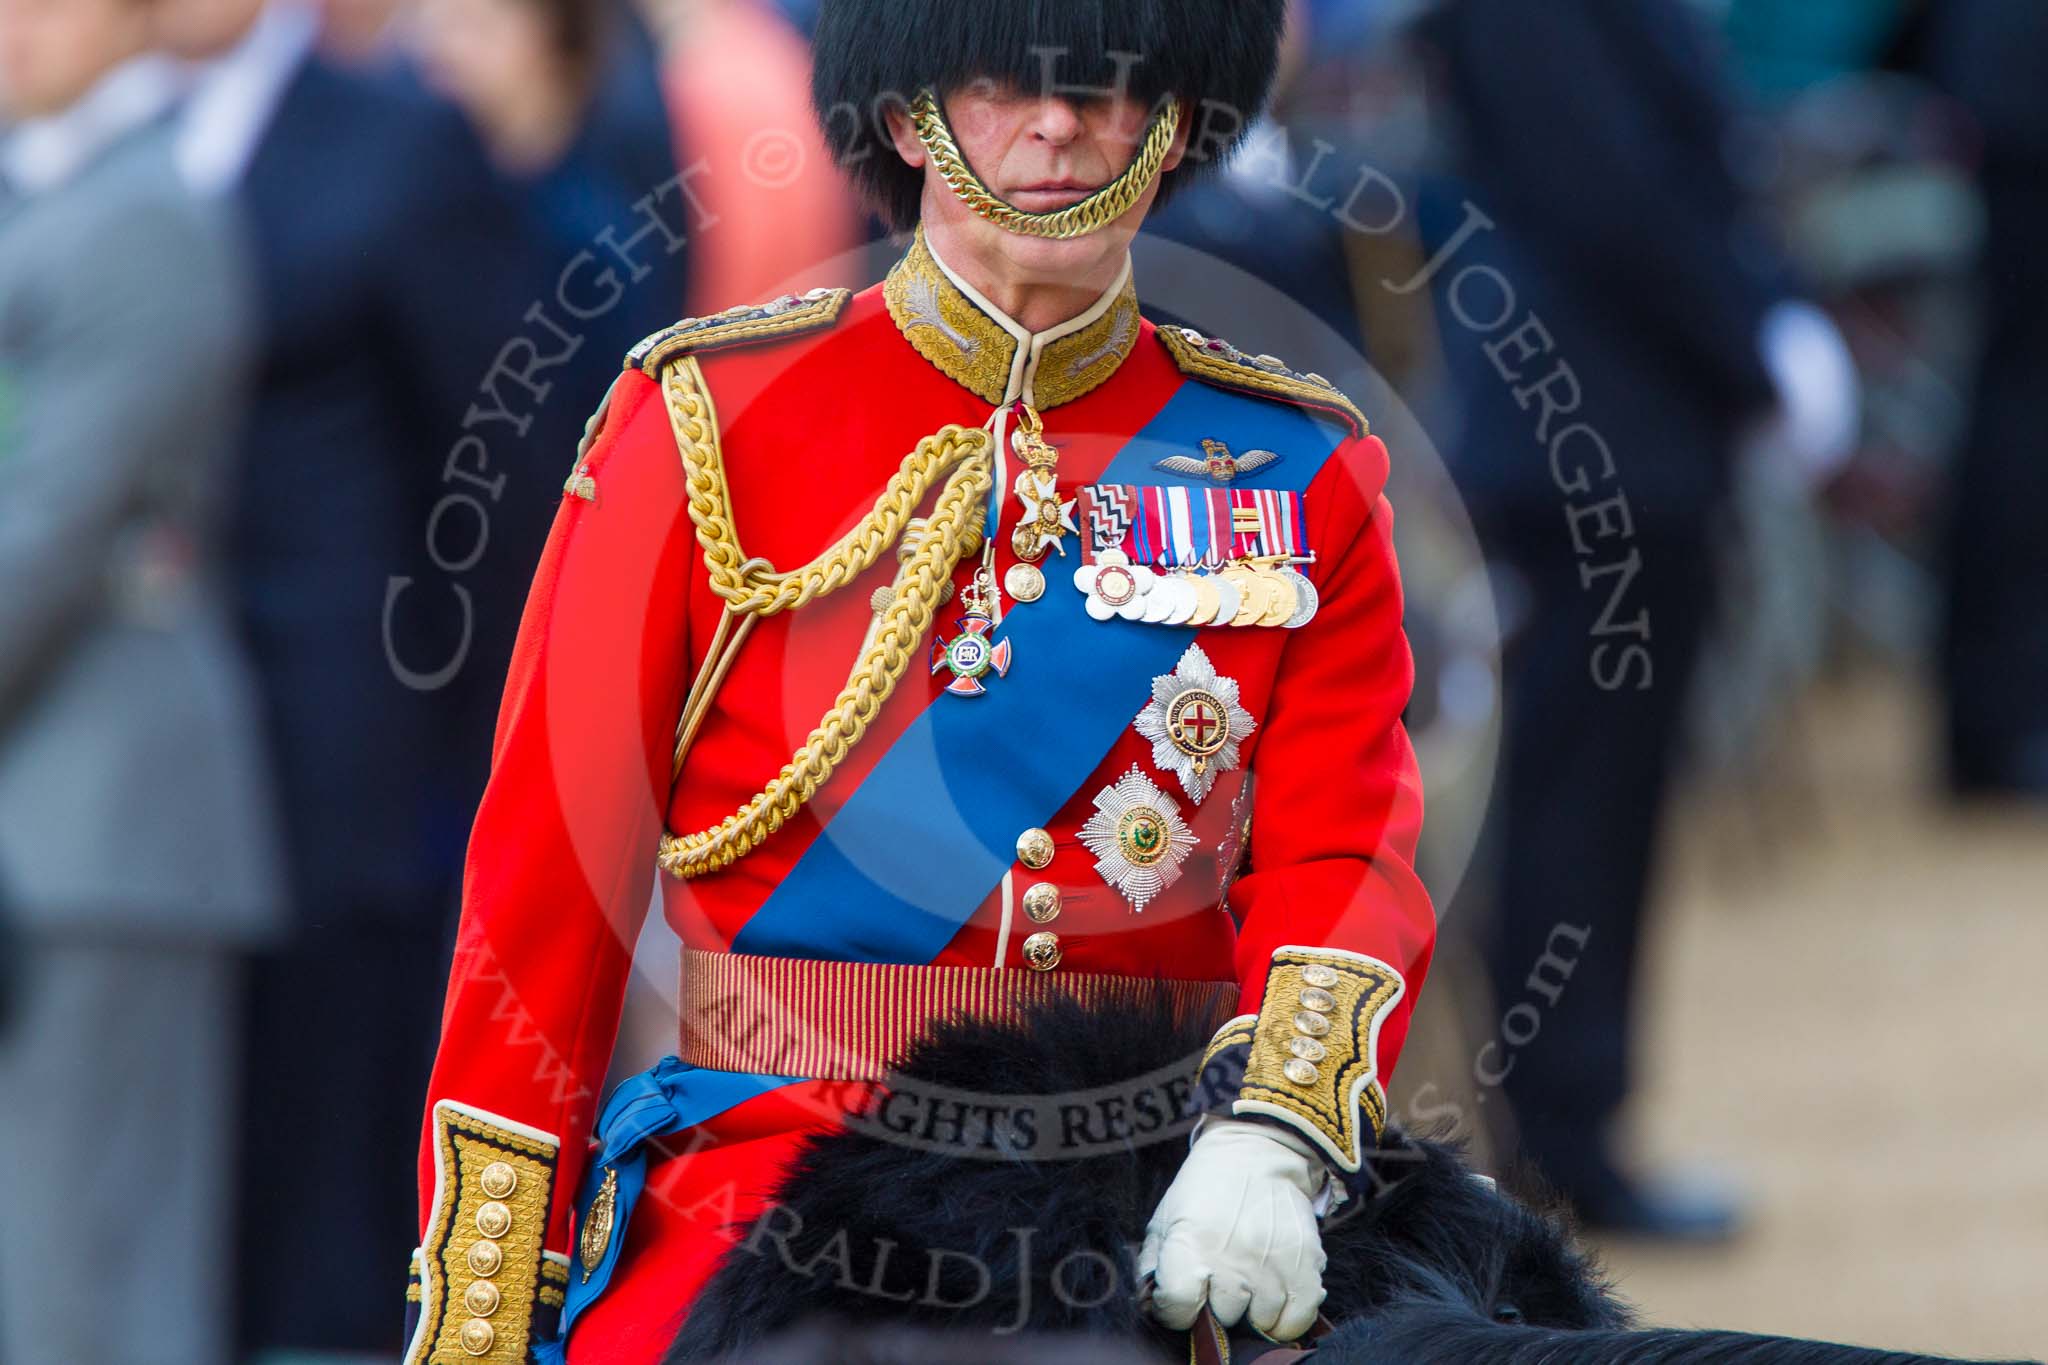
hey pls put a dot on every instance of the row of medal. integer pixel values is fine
(1175, 556)
(1245, 593)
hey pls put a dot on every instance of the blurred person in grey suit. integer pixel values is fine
(134, 837)
(392, 486)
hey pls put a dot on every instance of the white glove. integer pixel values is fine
(1238, 1228)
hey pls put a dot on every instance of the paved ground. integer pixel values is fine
(1868, 1056)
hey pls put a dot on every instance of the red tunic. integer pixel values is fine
(620, 617)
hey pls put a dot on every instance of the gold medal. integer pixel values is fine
(1255, 596)
(1282, 602)
(1207, 601)
(1024, 582)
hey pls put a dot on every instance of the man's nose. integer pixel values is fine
(1056, 121)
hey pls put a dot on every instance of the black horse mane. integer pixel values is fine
(1440, 1333)
(891, 1239)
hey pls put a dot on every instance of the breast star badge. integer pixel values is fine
(1138, 838)
(1195, 721)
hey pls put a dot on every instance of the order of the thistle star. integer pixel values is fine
(1138, 838)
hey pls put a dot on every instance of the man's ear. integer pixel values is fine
(904, 135)
(1181, 134)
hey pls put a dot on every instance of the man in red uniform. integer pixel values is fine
(951, 645)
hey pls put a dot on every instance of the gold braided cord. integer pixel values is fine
(966, 456)
(1097, 211)
(753, 586)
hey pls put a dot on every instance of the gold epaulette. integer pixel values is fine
(790, 315)
(1215, 361)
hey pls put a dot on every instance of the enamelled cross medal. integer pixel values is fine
(975, 652)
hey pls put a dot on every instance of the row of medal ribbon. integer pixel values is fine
(1180, 556)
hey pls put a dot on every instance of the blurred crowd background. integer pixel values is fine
(1710, 339)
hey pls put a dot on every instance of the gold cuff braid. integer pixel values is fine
(1313, 1061)
(750, 587)
(482, 1270)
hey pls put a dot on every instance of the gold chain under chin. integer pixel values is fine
(964, 457)
(1097, 211)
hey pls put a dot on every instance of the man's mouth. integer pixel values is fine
(1044, 196)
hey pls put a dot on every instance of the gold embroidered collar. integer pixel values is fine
(976, 345)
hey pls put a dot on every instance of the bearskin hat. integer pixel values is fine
(870, 55)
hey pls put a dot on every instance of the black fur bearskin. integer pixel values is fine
(871, 55)
(1427, 1263)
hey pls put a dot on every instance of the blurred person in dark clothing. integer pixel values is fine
(137, 853)
(1987, 54)
(397, 474)
(566, 97)
(1606, 309)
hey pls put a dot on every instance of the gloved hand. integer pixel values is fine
(1237, 1228)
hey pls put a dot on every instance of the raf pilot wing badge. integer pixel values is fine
(1217, 463)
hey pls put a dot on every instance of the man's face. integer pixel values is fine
(52, 51)
(1038, 153)
(198, 29)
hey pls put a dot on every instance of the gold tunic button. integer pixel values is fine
(1317, 999)
(1308, 1049)
(1316, 974)
(481, 1298)
(1300, 1072)
(1042, 903)
(477, 1337)
(494, 1220)
(1042, 951)
(1034, 848)
(1311, 1023)
(485, 1258)
(499, 1179)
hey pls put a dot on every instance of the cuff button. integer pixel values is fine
(494, 1220)
(1317, 999)
(1313, 1024)
(1300, 1072)
(499, 1179)
(481, 1298)
(485, 1258)
(1308, 1049)
(477, 1337)
(1316, 974)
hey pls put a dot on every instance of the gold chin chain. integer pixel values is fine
(1097, 211)
(752, 589)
